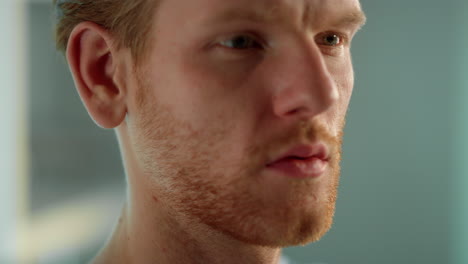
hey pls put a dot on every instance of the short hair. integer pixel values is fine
(129, 21)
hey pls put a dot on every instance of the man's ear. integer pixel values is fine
(92, 60)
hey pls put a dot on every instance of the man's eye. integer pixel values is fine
(330, 39)
(241, 42)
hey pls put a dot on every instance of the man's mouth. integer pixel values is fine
(302, 161)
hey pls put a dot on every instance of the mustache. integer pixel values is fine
(306, 133)
(302, 133)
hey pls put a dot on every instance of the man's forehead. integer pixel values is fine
(305, 11)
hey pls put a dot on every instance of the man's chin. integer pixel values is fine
(279, 235)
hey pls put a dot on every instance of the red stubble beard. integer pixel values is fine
(240, 202)
(237, 199)
(268, 214)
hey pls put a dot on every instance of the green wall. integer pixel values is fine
(460, 141)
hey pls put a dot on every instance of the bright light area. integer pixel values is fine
(12, 158)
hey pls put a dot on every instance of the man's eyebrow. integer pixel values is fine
(253, 15)
(355, 18)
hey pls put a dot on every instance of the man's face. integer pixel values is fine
(228, 88)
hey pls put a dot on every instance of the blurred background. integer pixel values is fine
(402, 197)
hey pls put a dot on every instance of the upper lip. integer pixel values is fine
(305, 151)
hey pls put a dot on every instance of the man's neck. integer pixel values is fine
(146, 234)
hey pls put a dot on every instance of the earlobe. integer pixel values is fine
(92, 60)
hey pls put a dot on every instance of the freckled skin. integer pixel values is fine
(203, 123)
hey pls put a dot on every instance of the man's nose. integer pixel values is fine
(304, 87)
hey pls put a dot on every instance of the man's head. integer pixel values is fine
(230, 97)
(117, 16)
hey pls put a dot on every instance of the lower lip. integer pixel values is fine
(296, 168)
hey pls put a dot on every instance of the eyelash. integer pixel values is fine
(253, 40)
(343, 39)
(255, 43)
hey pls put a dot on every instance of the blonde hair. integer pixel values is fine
(129, 21)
